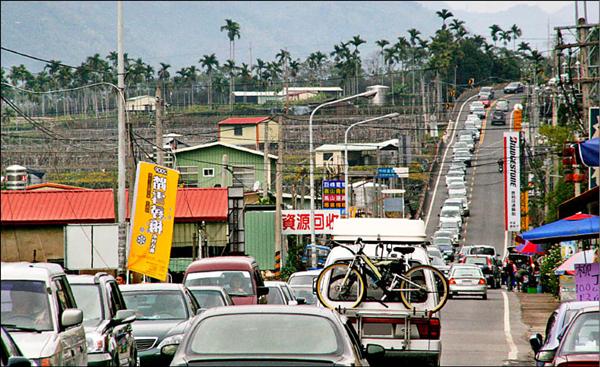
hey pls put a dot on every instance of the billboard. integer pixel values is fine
(512, 183)
(153, 209)
(298, 221)
(91, 246)
(334, 194)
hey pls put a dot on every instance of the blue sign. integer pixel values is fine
(386, 172)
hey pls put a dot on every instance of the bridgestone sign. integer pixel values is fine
(512, 184)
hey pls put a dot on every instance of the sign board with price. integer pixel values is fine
(587, 277)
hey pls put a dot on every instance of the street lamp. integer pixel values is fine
(391, 115)
(370, 93)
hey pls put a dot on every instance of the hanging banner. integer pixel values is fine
(152, 220)
(512, 183)
(568, 249)
(586, 281)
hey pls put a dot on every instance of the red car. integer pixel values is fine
(579, 344)
(238, 275)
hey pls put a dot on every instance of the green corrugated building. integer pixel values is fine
(202, 166)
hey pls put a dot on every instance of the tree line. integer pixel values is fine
(451, 56)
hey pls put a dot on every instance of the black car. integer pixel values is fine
(489, 267)
(498, 118)
(10, 354)
(106, 320)
(164, 313)
(272, 335)
(514, 87)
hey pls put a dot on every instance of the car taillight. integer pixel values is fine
(482, 281)
(451, 281)
(428, 328)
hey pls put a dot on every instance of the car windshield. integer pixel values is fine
(450, 212)
(306, 293)
(236, 283)
(441, 241)
(156, 305)
(583, 336)
(274, 296)
(25, 306)
(466, 273)
(265, 334)
(475, 260)
(88, 300)
(483, 251)
(301, 279)
(444, 246)
(208, 298)
(436, 261)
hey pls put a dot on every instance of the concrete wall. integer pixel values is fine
(18, 243)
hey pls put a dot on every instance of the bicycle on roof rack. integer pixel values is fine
(346, 282)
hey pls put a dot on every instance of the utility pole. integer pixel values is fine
(267, 165)
(279, 242)
(122, 147)
(159, 128)
(421, 131)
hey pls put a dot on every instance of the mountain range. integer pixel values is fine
(179, 33)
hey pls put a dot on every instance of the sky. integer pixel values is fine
(494, 6)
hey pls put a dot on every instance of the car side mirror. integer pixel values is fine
(292, 302)
(124, 317)
(314, 285)
(18, 362)
(200, 310)
(301, 300)
(545, 356)
(535, 341)
(71, 317)
(375, 351)
(262, 291)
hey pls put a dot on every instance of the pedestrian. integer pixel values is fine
(509, 271)
(120, 278)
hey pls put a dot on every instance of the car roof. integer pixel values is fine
(150, 287)
(307, 272)
(29, 271)
(88, 278)
(576, 305)
(275, 283)
(222, 263)
(206, 288)
(280, 309)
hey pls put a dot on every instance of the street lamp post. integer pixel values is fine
(391, 115)
(370, 93)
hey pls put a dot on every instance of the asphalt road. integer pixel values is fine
(479, 332)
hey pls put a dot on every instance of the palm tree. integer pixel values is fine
(210, 63)
(390, 57)
(282, 55)
(315, 62)
(356, 41)
(233, 31)
(444, 14)
(163, 72)
(246, 75)
(505, 37)
(456, 25)
(260, 67)
(230, 69)
(494, 30)
(516, 33)
(382, 43)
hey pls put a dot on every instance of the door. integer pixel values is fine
(122, 335)
(72, 339)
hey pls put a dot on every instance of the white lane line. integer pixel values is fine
(513, 351)
(444, 158)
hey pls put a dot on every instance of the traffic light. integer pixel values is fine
(569, 162)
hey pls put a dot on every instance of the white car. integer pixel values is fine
(502, 105)
(464, 208)
(41, 314)
(475, 120)
(451, 214)
(476, 105)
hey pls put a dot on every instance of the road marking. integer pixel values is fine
(513, 351)
(444, 158)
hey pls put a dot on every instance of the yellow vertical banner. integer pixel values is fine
(153, 215)
(524, 210)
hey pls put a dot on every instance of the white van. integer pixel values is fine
(40, 313)
(410, 335)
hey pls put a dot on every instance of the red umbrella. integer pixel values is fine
(530, 248)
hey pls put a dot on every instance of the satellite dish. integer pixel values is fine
(256, 186)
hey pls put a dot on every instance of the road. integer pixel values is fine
(474, 331)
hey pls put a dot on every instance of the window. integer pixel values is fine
(237, 131)
(244, 175)
(189, 175)
(208, 172)
(327, 156)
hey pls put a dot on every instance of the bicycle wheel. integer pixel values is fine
(332, 291)
(415, 290)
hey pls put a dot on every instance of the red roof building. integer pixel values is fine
(244, 120)
(247, 131)
(24, 207)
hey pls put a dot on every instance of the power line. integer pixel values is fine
(37, 58)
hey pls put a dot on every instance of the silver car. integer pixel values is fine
(467, 280)
(41, 314)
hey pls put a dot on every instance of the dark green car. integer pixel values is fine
(106, 320)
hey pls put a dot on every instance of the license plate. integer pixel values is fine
(467, 281)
